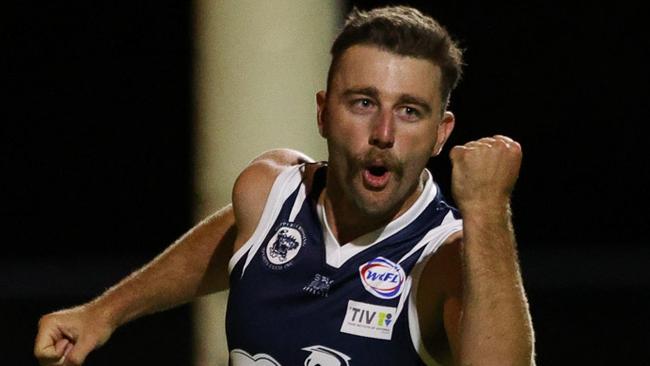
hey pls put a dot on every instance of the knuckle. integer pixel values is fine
(43, 319)
(483, 144)
(501, 144)
(454, 150)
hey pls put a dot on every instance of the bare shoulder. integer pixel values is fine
(255, 181)
(254, 184)
(283, 157)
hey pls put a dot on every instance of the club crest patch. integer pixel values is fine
(284, 246)
(382, 278)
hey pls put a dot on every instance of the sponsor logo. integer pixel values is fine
(324, 356)
(382, 278)
(318, 356)
(284, 246)
(319, 286)
(368, 320)
(240, 357)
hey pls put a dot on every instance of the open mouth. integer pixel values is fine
(377, 171)
(376, 177)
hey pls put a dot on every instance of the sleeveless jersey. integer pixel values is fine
(297, 297)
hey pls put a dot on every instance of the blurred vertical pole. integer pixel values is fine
(257, 67)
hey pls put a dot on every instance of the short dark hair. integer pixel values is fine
(404, 31)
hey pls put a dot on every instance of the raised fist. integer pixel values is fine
(484, 172)
(66, 337)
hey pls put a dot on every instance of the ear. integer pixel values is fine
(444, 130)
(321, 100)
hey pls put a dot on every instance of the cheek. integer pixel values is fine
(348, 135)
(418, 142)
(416, 151)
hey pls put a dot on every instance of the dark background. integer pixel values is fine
(96, 157)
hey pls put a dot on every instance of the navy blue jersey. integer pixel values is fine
(298, 297)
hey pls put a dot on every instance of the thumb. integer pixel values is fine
(51, 353)
(50, 344)
(78, 353)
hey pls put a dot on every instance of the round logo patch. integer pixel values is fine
(284, 245)
(382, 278)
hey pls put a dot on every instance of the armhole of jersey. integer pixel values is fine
(282, 188)
(435, 238)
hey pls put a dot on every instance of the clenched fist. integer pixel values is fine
(66, 337)
(484, 173)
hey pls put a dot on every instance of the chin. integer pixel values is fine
(375, 207)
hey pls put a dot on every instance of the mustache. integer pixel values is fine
(387, 159)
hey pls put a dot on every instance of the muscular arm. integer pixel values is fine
(195, 265)
(491, 321)
(496, 327)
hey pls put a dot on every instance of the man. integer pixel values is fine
(357, 261)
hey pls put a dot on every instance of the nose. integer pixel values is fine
(382, 134)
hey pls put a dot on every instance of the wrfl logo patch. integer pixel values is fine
(382, 278)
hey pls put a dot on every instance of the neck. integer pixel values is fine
(348, 222)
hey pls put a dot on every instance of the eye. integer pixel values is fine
(362, 105)
(409, 113)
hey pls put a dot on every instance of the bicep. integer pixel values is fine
(441, 309)
(220, 231)
(453, 295)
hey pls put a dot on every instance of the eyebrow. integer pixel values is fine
(370, 91)
(403, 99)
(410, 99)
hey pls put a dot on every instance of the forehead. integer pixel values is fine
(363, 66)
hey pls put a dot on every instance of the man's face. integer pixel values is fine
(382, 118)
